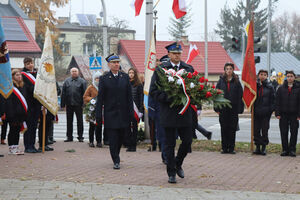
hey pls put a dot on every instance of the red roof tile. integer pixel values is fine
(29, 46)
(217, 56)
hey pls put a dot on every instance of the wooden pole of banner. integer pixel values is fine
(252, 128)
(44, 129)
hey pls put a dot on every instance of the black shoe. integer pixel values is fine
(263, 150)
(50, 142)
(91, 144)
(165, 162)
(99, 145)
(30, 151)
(172, 179)
(116, 166)
(80, 139)
(232, 152)
(180, 172)
(68, 140)
(284, 153)
(38, 150)
(209, 135)
(47, 148)
(1, 155)
(131, 149)
(224, 151)
(257, 150)
(292, 154)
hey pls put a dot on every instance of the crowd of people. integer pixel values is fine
(119, 107)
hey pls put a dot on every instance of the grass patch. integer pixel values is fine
(215, 146)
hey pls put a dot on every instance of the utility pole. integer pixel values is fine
(205, 37)
(104, 28)
(269, 37)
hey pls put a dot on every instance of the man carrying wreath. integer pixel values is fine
(170, 119)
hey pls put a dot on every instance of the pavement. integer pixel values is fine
(86, 173)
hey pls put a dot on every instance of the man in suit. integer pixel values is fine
(114, 93)
(170, 120)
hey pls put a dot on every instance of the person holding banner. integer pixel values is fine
(138, 99)
(170, 118)
(16, 112)
(288, 112)
(114, 93)
(264, 106)
(228, 117)
(29, 77)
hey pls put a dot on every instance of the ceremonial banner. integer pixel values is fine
(137, 5)
(193, 52)
(6, 84)
(179, 8)
(249, 71)
(149, 69)
(45, 85)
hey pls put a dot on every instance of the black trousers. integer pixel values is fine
(48, 129)
(97, 131)
(14, 133)
(116, 137)
(32, 122)
(261, 128)
(79, 117)
(185, 134)
(228, 121)
(288, 122)
(131, 135)
(4, 130)
(152, 133)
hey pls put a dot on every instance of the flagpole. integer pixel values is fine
(252, 128)
(205, 37)
(44, 129)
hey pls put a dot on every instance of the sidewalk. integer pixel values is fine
(203, 170)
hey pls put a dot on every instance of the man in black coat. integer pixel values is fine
(114, 93)
(264, 106)
(71, 98)
(34, 106)
(288, 112)
(169, 117)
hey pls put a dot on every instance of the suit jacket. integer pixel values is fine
(169, 117)
(114, 93)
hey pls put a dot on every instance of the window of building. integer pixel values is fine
(87, 49)
(66, 48)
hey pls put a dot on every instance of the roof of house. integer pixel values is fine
(280, 61)
(217, 56)
(22, 42)
(12, 9)
(82, 63)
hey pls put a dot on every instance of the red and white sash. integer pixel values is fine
(30, 77)
(22, 99)
(137, 114)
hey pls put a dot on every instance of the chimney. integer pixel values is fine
(185, 40)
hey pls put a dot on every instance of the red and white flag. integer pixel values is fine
(193, 52)
(137, 5)
(179, 8)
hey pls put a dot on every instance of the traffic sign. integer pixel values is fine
(95, 63)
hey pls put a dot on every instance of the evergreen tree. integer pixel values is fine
(178, 27)
(233, 21)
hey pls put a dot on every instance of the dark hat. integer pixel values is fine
(165, 58)
(290, 72)
(174, 48)
(229, 64)
(112, 57)
(263, 71)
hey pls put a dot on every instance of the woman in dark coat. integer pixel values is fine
(138, 98)
(228, 117)
(16, 112)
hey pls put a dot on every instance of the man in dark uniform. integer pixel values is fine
(169, 117)
(34, 106)
(114, 93)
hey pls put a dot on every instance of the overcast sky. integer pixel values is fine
(121, 9)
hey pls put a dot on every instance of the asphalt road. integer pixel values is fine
(209, 122)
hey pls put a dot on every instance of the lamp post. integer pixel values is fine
(104, 27)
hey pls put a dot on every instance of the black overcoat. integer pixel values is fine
(169, 117)
(114, 93)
